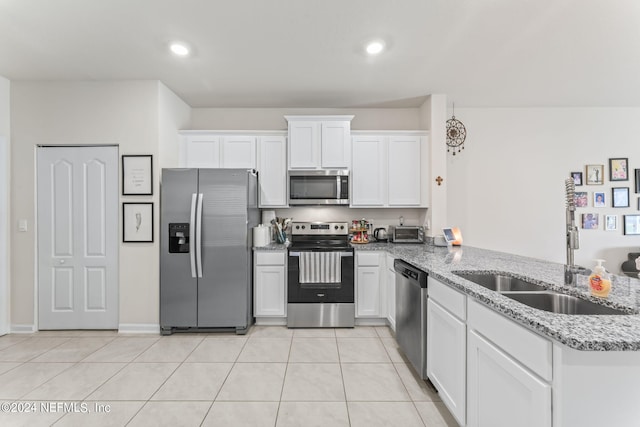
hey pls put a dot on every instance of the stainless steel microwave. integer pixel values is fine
(319, 187)
(406, 234)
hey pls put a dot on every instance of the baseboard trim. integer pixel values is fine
(22, 329)
(271, 321)
(371, 321)
(139, 328)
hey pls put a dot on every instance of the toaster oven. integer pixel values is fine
(406, 234)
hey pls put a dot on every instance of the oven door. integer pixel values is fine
(342, 292)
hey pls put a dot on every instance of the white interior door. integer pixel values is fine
(77, 237)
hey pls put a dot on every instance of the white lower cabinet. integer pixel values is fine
(447, 346)
(390, 285)
(501, 392)
(446, 358)
(270, 284)
(368, 284)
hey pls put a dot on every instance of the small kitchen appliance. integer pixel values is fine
(380, 234)
(406, 234)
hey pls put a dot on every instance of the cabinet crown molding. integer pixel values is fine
(319, 118)
(234, 132)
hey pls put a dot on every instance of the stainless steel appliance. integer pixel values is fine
(411, 314)
(319, 187)
(206, 219)
(406, 234)
(380, 234)
(320, 276)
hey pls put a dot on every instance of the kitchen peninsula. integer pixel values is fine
(545, 368)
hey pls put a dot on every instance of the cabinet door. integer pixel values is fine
(368, 171)
(368, 292)
(201, 151)
(446, 358)
(272, 171)
(391, 297)
(269, 292)
(238, 152)
(404, 175)
(304, 140)
(502, 393)
(335, 144)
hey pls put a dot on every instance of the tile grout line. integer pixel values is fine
(284, 378)
(344, 388)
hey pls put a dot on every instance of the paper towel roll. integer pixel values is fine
(261, 236)
(267, 216)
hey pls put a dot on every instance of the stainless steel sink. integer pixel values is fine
(560, 303)
(500, 282)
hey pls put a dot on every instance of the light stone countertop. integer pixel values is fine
(580, 332)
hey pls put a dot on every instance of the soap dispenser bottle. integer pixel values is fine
(600, 281)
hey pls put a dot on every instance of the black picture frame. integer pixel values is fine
(137, 222)
(137, 175)
(620, 197)
(631, 225)
(619, 169)
(637, 173)
(577, 178)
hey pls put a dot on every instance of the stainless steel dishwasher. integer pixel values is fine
(411, 314)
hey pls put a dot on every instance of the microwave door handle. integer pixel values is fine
(199, 235)
(338, 188)
(192, 231)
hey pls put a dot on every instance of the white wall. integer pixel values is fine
(5, 167)
(174, 114)
(126, 113)
(273, 118)
(506, 189)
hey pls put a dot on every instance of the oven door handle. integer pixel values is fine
(342, 254)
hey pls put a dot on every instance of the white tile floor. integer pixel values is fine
(274, 376)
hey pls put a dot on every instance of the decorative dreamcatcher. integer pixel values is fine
(456, 134)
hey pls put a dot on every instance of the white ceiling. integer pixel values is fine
(309, 53)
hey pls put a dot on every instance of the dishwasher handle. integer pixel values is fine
(410, 272)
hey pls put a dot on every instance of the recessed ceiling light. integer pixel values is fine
(375, 47)
(179, 49)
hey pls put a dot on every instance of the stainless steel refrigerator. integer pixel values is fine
(206, 219)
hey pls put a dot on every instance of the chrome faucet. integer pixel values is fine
(573, 238)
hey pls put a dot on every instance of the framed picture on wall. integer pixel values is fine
(590, 221)
(137, 222)
(580, 199)
(137, 175)
(620, 197)
(577, 178)
(637, 172)
(631, 225)
(599, 200)
(611, 222)
(619, 169)
(595, 174)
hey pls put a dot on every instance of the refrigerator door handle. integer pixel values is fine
(192, 230)
(199, 235)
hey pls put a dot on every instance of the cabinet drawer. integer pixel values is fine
(448, 298)
(369, 259)
(527, 347)
(270, 258)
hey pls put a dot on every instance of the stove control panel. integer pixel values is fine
(320, 228)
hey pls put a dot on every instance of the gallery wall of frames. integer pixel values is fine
(603, 188)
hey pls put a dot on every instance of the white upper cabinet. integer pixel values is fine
(272, 170)
(368, 171)
(217, 150)
(200, 151)
(390, 169)
(319, 142)
(238, 151)
(265, 151)
(405, 178)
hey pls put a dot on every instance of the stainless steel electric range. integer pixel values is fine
(320, 276)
